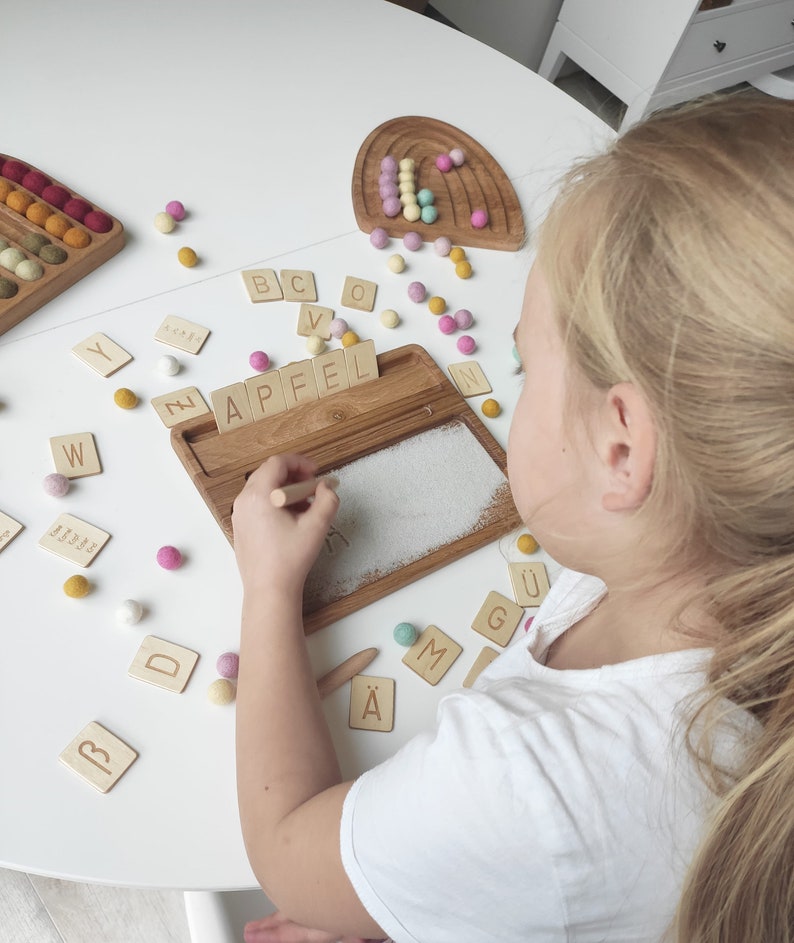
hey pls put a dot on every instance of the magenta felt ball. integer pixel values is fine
(466, 344)
(169, 558)
(444, 163)
(259, 360)
(392, 206)
(446, 324)
(463, 318)
(175, 209)
(479, 219)
(379, 237)
(412, 241)
(228, 665)
(57, 485)
(417, 292)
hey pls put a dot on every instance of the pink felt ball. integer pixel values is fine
(479, 219)
(386, 190)
(446, 324)
(412, 241)
(259, 360)
(528, 623)
(57, 485)
(169, 558)
(444, 163)
(389, 164)
(463, 318)
(386, 177)
(457, 156)
(228, 665)
(466, 344)
(417, 292)
(379, 237)
(443, 246)
(338, 327)
(175, 209)
(392, 206)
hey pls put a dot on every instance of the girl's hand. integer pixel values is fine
(276, 547)
(279, 929)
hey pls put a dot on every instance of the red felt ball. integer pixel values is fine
(15, 170)
(56, 195)
(35, 181)
(77, 208)
(97, 221)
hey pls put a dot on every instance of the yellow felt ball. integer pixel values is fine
(76, 587)
(463, 269)
(526, 543)
(456, 254)
(125, 398)
(221, 691)
(491, 408)
(187, 256)
(349, 338)
(437, 305)
(389, 317)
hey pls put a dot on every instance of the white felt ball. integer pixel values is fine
(129, 612)
(168, 365)
(164, 222)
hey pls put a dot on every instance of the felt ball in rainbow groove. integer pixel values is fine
(169, 557)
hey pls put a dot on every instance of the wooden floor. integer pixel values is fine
(42, 910)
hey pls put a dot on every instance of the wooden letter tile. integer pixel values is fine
(299, 383)
(362, 362)
(358, 293)
(164, 664)
(432, 654)
(498, 618)
(530, 582)
(482, 661)
(185, 335)
(330, 371)
(470, 379)
(298, 285)
(231, 407)
(74, 540)
(265, 394)
(9, 528)
(262, 285)
(180, 405)
(314, 319)
(102, 354)
(75, 456)
(371, 703)
(98, 756)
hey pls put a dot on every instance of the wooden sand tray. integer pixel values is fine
(410, 397)
(479, 183)
(95, 234)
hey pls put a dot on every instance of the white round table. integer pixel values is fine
(251, 113)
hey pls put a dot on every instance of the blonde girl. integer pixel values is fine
(625, 771)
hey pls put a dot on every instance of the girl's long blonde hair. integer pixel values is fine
(670, 261)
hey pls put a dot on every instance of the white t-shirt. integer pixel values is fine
(545, 805)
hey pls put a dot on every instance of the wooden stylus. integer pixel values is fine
(349, 668)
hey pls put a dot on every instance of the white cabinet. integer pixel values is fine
(651, 53)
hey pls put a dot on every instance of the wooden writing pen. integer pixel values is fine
(299, 491)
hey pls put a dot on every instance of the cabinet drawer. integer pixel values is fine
(744, 32)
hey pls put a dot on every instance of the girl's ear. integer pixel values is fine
(627, 448)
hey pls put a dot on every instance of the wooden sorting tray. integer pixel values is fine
(411, 395)
(480, 183)
(16, 228)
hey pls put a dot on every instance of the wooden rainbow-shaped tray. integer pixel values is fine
(410, 396)
(479, 183)
(61, 236)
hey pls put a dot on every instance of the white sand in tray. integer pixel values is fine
(402, 503)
